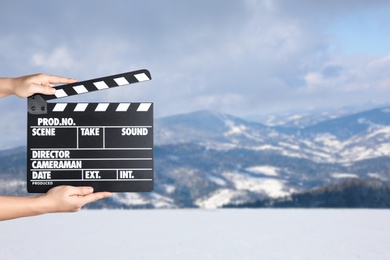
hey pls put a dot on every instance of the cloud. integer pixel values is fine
(13, 121)
(59, 58)
(241, 57)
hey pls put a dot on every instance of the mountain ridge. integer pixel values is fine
(353, 193)
(208, 159)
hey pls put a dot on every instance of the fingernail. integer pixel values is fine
(88, 189)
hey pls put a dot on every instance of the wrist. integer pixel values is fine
(41, 205)
(7, 86)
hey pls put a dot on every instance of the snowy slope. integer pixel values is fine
(207, 159)
(199, 234)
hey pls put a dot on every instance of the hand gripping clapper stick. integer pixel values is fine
(108, 146)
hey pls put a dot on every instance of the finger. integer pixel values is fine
(80, 191)
(85, 190)
(60, 80)
(95, 196)
(48, 90)
(40, 89)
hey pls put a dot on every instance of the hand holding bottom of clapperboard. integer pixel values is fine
(57, 199)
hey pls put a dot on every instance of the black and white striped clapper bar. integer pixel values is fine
(108, 146)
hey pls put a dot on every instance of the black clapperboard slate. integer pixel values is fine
(108, 146)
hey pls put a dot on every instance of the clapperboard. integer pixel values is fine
(108, 146)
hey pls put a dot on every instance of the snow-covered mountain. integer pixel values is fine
(206, 127)
(208, 159)
(236, 160)
(301, 118)
(352, 193)
(349, 138)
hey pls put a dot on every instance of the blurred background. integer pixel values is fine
(257, 103)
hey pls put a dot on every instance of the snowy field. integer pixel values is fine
(199, 234)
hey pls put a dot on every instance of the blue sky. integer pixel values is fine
(363, 32)
(241, 57)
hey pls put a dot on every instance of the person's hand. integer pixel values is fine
(57, 199)
(37, 84)
(69, 198)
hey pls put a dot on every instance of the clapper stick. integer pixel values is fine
(108, 146)
(37, 103)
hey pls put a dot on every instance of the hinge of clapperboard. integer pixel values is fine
(37, 104)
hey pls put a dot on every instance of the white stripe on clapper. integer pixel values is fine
(80, 107)
(121, 81)
(80, 89)
(60, 107)
(122, 107)
(141, 77)
(100, 85)
(144, 107)
(102, 107)
(60, 93)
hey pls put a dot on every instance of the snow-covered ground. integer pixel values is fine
(199, 234)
